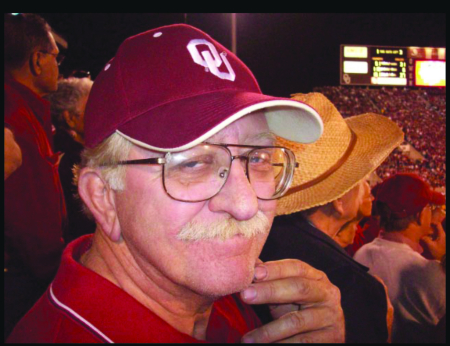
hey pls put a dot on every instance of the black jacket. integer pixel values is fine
(363, 298)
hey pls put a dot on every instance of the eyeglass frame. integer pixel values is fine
(435, 207)
(58, 56)
(162, 161)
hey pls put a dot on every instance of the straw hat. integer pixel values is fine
(346, 153)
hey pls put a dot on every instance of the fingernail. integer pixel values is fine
(260, 272)
(249, 293)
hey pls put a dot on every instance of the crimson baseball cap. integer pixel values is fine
(171, 88)
(406, 194)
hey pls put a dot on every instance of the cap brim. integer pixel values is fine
(182, 124)
(376, 139)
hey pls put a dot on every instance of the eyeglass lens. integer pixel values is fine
(199, 173)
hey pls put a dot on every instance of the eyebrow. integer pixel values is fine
(261, 136)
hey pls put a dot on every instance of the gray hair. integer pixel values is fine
(67, 97)
(113, 149)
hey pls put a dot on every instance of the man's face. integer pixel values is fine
(425, 221)
(365, 208)
(48, 81)
(150, 221)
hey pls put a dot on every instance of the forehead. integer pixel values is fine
(247, 130)
(251, 129)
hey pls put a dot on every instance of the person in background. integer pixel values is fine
(438, 216)
(417, 286)
(68, 105)
(181, 176)
(33, 199)
(347, 233)
(328, 191)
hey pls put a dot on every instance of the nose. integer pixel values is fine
(237, 196)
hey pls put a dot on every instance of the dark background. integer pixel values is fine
(287, 52)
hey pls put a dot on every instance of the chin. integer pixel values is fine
(225, 288)
(232, 278)
(220, 268)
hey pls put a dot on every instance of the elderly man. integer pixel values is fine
(346, 235)
(404, 203)
(327, 193)
(34, 204)
(68, 105)
(181, 177)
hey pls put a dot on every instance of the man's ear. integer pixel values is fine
(68, 118)
(338, 206)
(420, 217)
(100, 199)
(35, 63)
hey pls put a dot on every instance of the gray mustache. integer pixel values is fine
(224, 229)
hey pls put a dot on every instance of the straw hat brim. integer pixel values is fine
(376, 137)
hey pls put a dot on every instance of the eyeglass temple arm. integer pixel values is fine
(281, 164)
(155, 160)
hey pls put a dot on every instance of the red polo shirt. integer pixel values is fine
(33, 200)
(82, 306)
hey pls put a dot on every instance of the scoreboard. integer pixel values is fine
(392, 66)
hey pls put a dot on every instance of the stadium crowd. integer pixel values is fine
(420, 113)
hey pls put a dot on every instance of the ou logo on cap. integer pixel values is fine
(212, 62)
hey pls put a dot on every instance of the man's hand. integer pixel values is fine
(437, 247)
(305, 305)
(13, 154)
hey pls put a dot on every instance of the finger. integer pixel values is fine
(274, 270)
(289, 290)
(323, 336)
(440, 230)
(278, 310)
(291, 324)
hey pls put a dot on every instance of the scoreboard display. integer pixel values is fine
(392, 66)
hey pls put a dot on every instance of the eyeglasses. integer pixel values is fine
(199, 173)
(58, 56)
(435, 207)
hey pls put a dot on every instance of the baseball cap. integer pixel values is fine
(173, 87)
(406, 194)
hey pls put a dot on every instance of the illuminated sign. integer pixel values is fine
(430, 73)
(356, 67)
(355, 52)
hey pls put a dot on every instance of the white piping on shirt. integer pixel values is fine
(69, 310)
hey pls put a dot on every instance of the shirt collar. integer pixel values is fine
(397, 237)
(91, 300)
